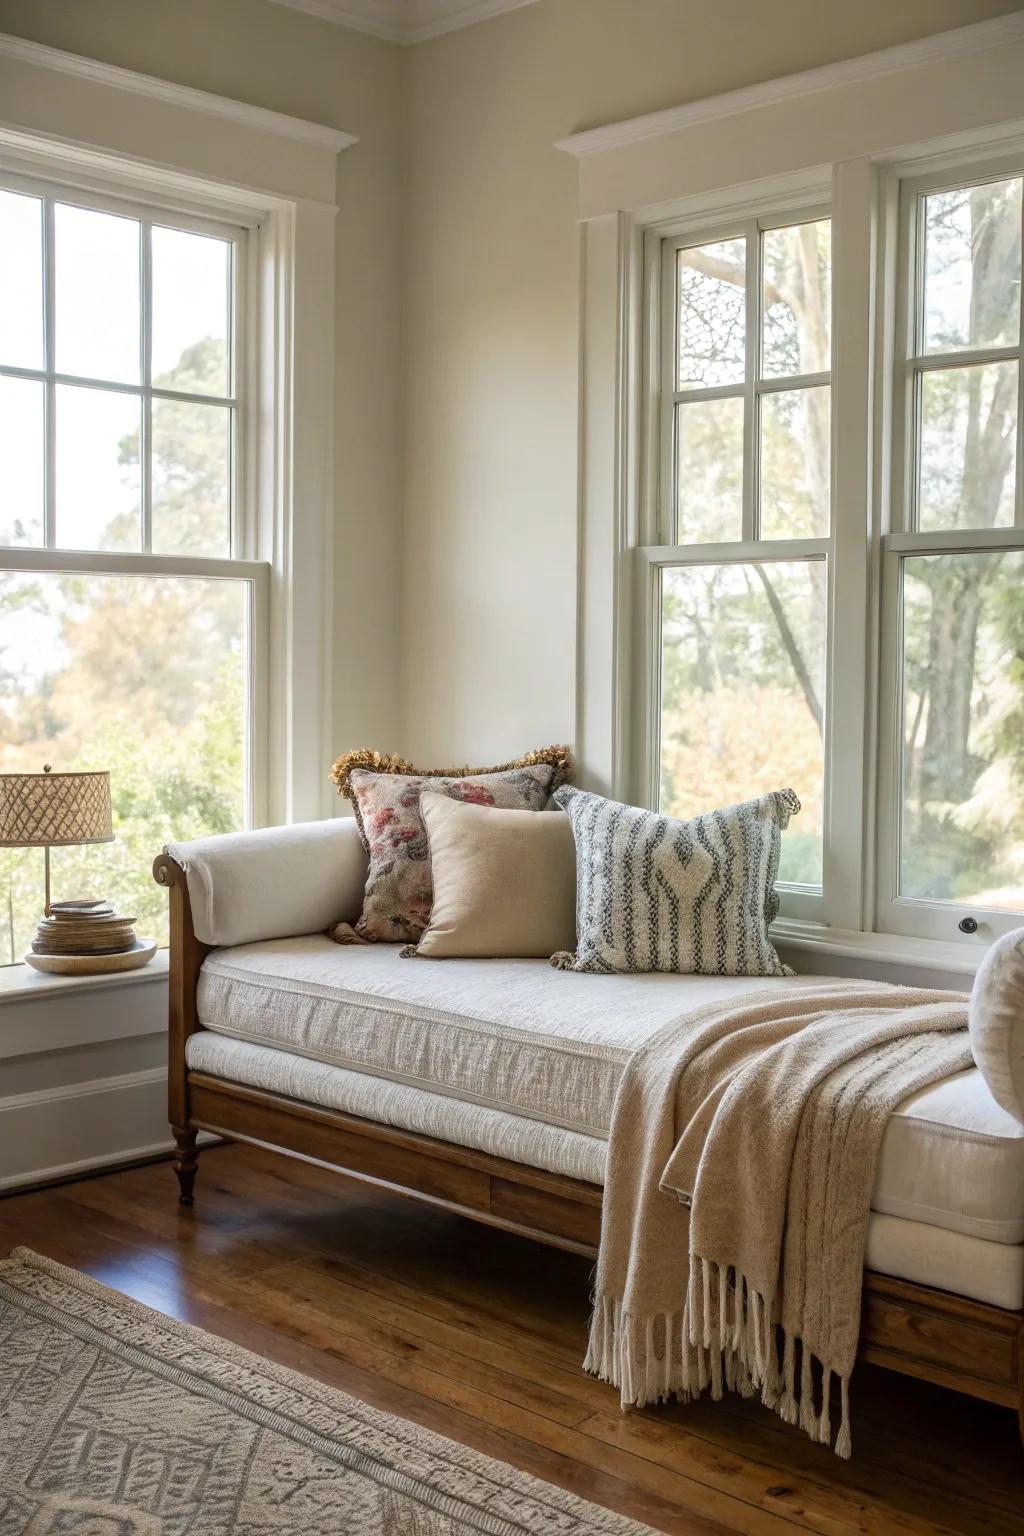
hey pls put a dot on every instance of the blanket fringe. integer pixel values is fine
(786, 1406)
(725, 1339)
(844, 1443)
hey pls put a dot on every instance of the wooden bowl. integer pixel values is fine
(95, 965)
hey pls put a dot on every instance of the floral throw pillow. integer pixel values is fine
(386, 790)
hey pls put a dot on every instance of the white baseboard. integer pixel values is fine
(58, 1132)
(95, 1164)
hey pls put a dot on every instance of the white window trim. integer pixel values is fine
(255, 573)
(954, 97)
(56, 186)
(622, 270)
(900, 261)
(621, 452)
(657, 516)
(286, 543)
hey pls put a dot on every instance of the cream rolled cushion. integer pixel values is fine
(273, 882)
(997, 1022)
(504, 881)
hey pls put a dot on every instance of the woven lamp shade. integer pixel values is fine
(39, 810)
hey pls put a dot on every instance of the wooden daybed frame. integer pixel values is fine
(940, 1337)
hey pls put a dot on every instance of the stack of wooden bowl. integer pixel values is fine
(84, 928)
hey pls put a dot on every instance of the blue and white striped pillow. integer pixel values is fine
(656, 894)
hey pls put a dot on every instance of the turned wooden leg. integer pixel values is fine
(186, 1162)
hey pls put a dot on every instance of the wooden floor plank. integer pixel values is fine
(913, 1464)
(504, 1332)
(358, 1308)
(479, 1334)
(824, 1503)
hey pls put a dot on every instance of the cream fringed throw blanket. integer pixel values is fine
(740, 1170)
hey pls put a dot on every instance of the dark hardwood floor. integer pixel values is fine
(479, 1335)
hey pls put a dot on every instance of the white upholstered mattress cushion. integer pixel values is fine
(951, 1156)
(410, 1109)
(520, 1037)
(515, 1034)
(912, 1250)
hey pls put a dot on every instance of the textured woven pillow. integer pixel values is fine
(655, 894)
(504, 882)
(996, 1021)
(386, 794)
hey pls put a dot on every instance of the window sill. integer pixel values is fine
(20, 982)
(884, 949)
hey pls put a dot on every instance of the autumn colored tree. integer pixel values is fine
(142, 675)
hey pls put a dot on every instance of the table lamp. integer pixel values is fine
(51, 810)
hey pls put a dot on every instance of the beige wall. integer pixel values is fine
(457, 305)
(273, 57)
(490, 513)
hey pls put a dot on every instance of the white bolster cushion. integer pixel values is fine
(273, 882)
(997, 1022)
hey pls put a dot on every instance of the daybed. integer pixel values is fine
(486, 1087)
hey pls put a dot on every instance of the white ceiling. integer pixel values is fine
(405, 21)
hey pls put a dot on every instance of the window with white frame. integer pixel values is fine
(130, 623)
(952, 770)
(745, 593)
(741, 577)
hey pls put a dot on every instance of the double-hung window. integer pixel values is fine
(739, 581)
(951, 780)
(131, 622)
(754, 562)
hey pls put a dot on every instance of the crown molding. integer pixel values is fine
(225, 107)
(433, 18)
(377, 18)
(981, 35)
(404, 21)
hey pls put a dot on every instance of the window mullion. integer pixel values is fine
(737, 552)
(964, 357)
(782, 384)
(146, 437)
(915, 312)
(189, 397)
(752, 356)
(701, 392)
(913, 397)
(49, 364)
(935, 541)
(916, 338)
(1018, 502)
(849, 741)
(236, 541)
(668, 489)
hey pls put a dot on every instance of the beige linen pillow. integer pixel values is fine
(504, 881)
(385, 791)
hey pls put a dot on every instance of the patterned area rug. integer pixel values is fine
(116, 1421)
